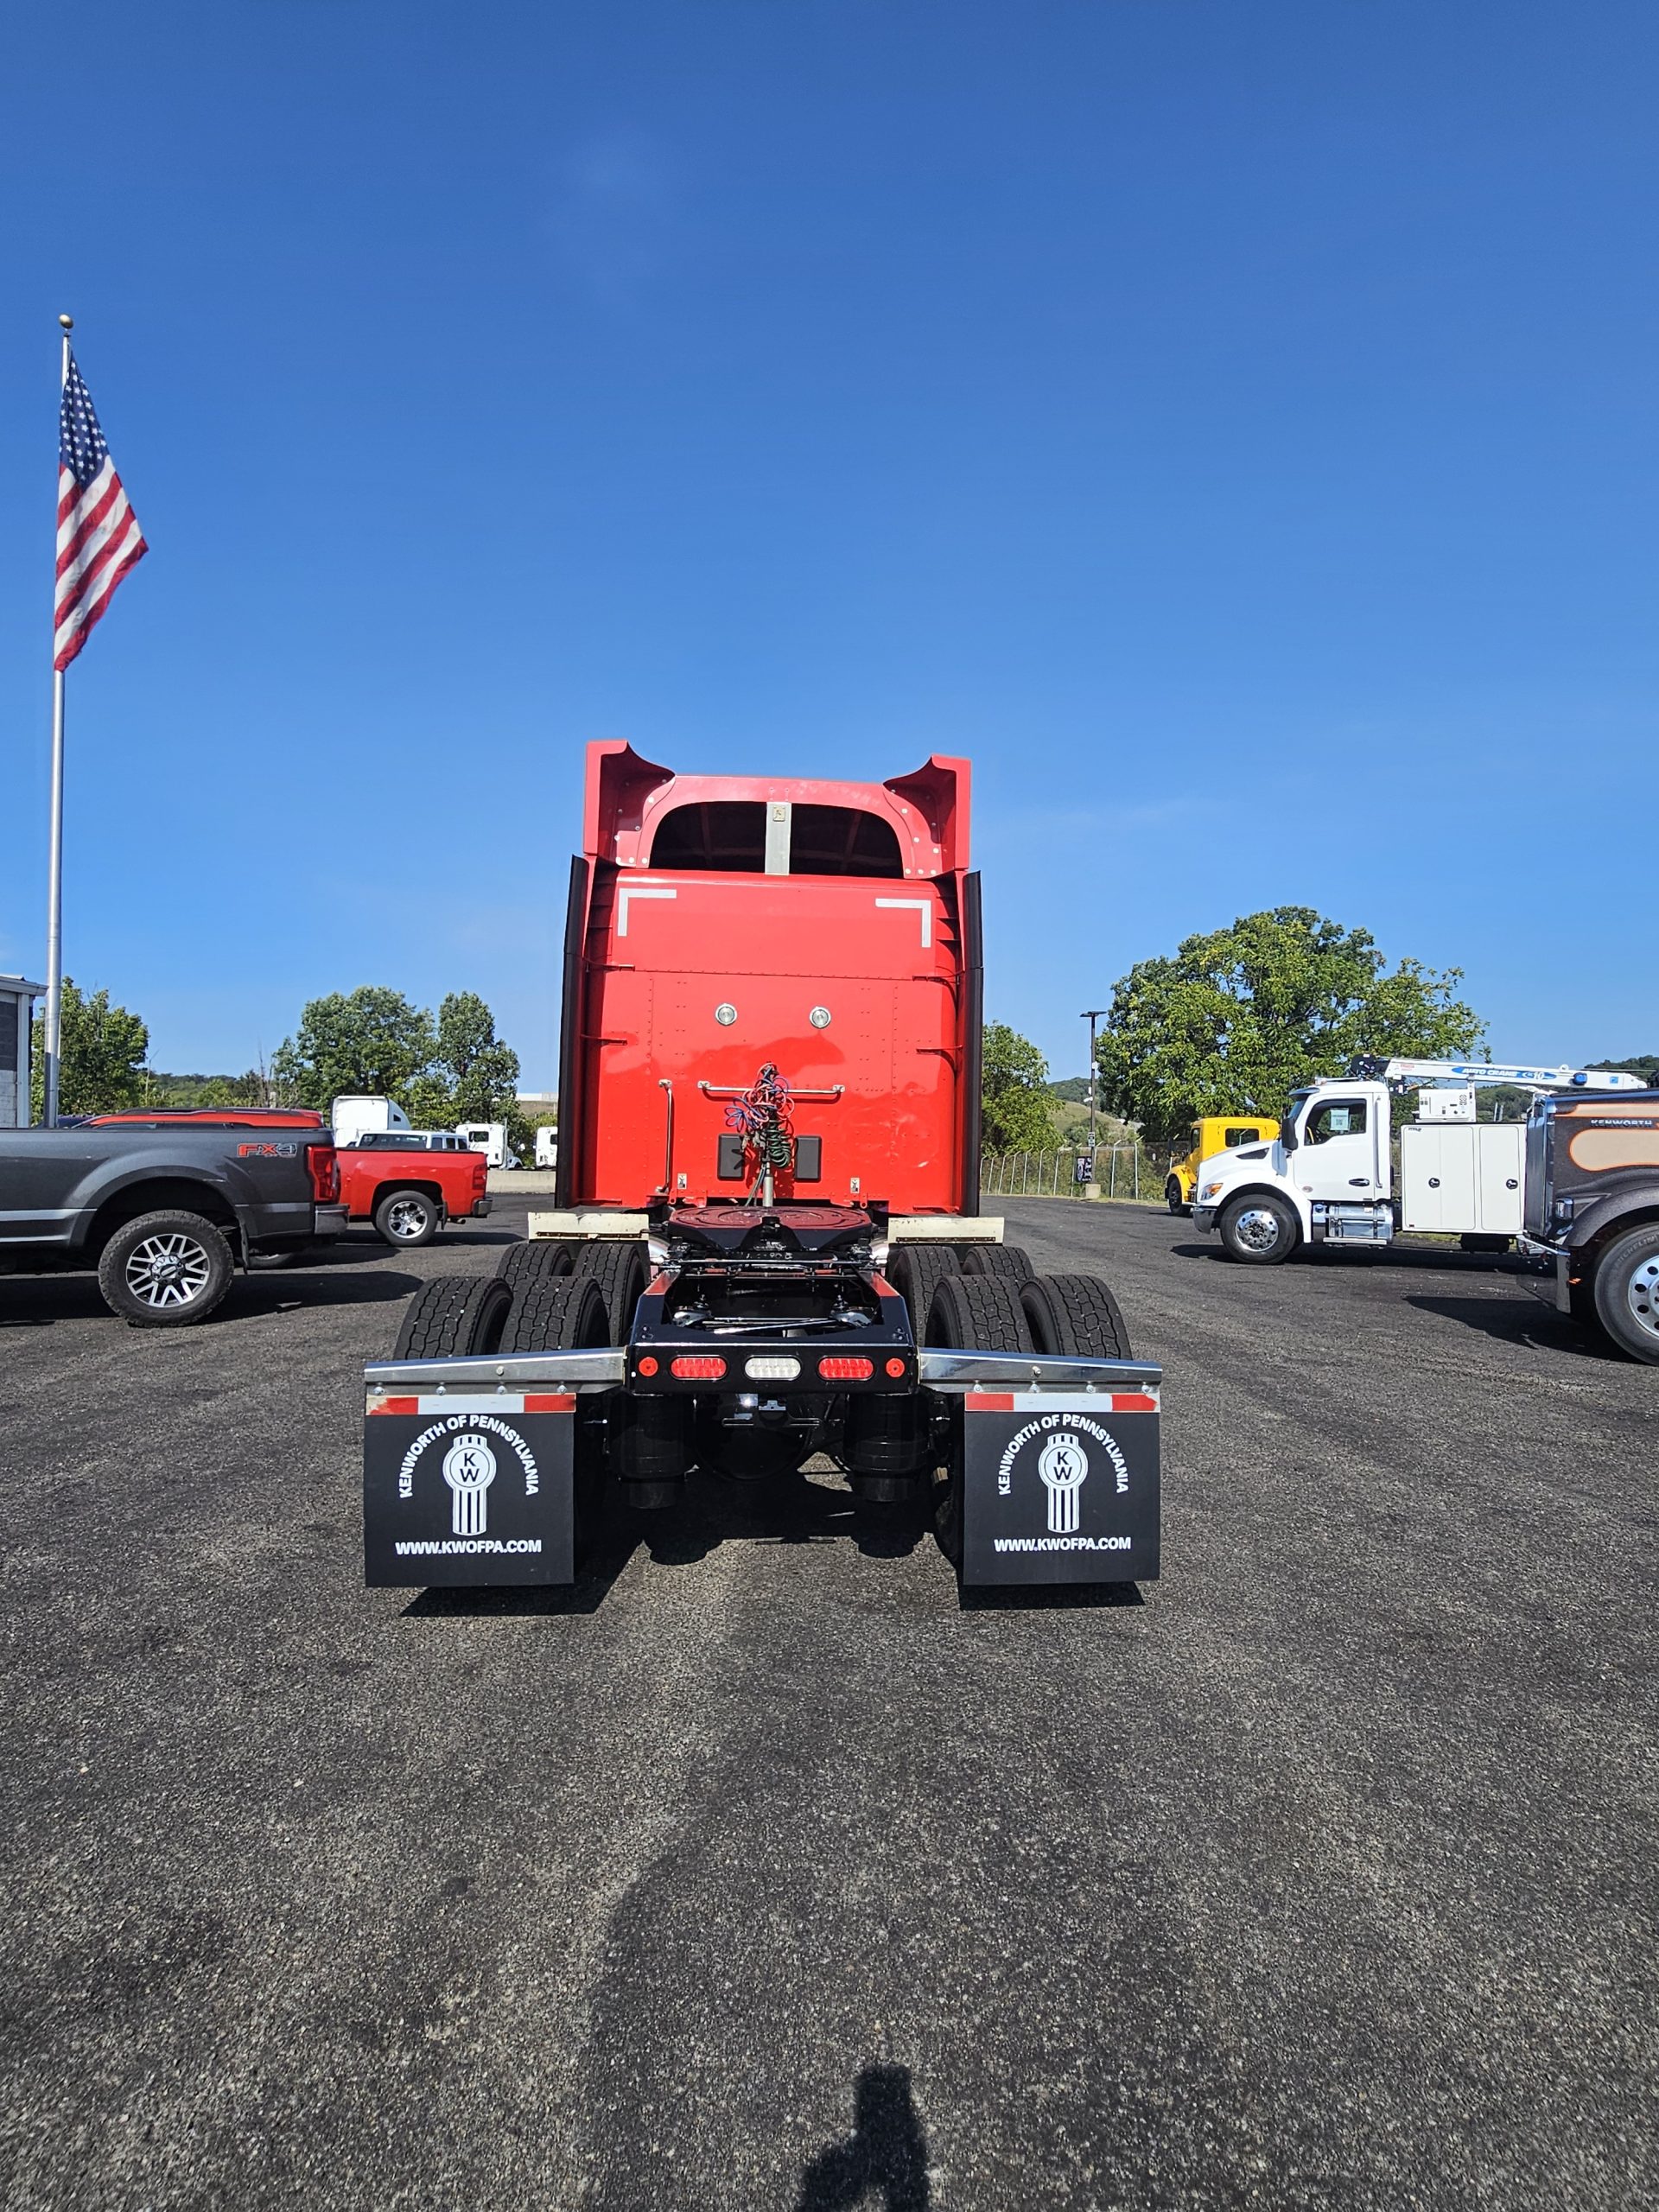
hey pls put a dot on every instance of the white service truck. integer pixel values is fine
(1329, 1177)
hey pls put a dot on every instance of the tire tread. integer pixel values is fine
(1076, 1317)
(454, 1316)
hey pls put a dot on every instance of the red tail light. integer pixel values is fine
(324, 1163)
(845, 1368)
(698, 1368)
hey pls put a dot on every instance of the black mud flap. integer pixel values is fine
(1059, 1487)
(459, 1490)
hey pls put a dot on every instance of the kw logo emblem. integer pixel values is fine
(469, 1469)
(1062, 1464)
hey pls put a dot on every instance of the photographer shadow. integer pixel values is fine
(883, 2160)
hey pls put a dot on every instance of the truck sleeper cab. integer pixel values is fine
(767, 1241)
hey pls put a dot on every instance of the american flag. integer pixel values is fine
(99, 537)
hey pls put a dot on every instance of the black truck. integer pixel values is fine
(1592, 1213)
(164, 1210)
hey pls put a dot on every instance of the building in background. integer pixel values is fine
(17, 1000)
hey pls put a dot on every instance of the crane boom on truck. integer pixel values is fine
(1407, 1074)
(1330, 1176)
(766, 1243)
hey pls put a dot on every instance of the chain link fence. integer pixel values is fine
(1122, 1171)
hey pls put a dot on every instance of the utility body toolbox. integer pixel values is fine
(766, 1242)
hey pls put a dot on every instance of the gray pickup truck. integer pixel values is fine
(164, 1209)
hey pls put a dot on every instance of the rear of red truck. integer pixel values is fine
(766, 1243)
(718, 923)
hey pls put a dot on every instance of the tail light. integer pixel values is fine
(324, 1163)
(699, 1367)
(845, 1367)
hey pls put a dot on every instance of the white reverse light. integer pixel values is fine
(771, 1367)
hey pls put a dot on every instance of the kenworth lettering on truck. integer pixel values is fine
(767, 1241)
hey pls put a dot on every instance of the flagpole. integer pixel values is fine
(55, 862)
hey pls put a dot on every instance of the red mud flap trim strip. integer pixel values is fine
(471, 1401)
(1121, 1401)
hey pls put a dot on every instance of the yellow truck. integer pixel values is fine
(1214, 1132)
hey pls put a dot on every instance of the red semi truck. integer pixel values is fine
(766, 1243)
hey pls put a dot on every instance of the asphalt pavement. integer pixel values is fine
(758, 1873)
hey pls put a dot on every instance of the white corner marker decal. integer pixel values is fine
(640, 890)
(922, 906)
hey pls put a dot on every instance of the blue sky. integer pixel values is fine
(1230, 422)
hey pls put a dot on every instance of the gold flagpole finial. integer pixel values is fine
(67, 321)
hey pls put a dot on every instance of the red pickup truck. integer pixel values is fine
(408, 1182)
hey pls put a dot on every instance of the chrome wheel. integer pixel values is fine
(168, 1271)
(1641, 1293)
(1259, 1228)
(406, 1218)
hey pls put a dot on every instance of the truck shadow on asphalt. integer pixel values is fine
(1523, 1320)
(883, 2161)
(1425, 1258)
(714, 1512)
(43, 1301)
(782, 1513)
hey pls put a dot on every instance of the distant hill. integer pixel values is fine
(1074, 1088)
(164, 1090)
(1646, 1064)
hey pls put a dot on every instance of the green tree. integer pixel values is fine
(483, 1073)
(1013, 1098)
(370, 1040)
(101, 1060)
(1239, 1017)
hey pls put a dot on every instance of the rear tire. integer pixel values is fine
(165, 1270)
(522, 1264)
(407, 1219)
(455, 1317)
(970, 1314)
(1261, 1229)
(555, 1314)
(1626, 1292)
(1076, 1317)
(619, 1271)
(1007, 1261)
(979, 1314)
(916, 1272)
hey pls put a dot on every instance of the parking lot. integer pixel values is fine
(757, 1872)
